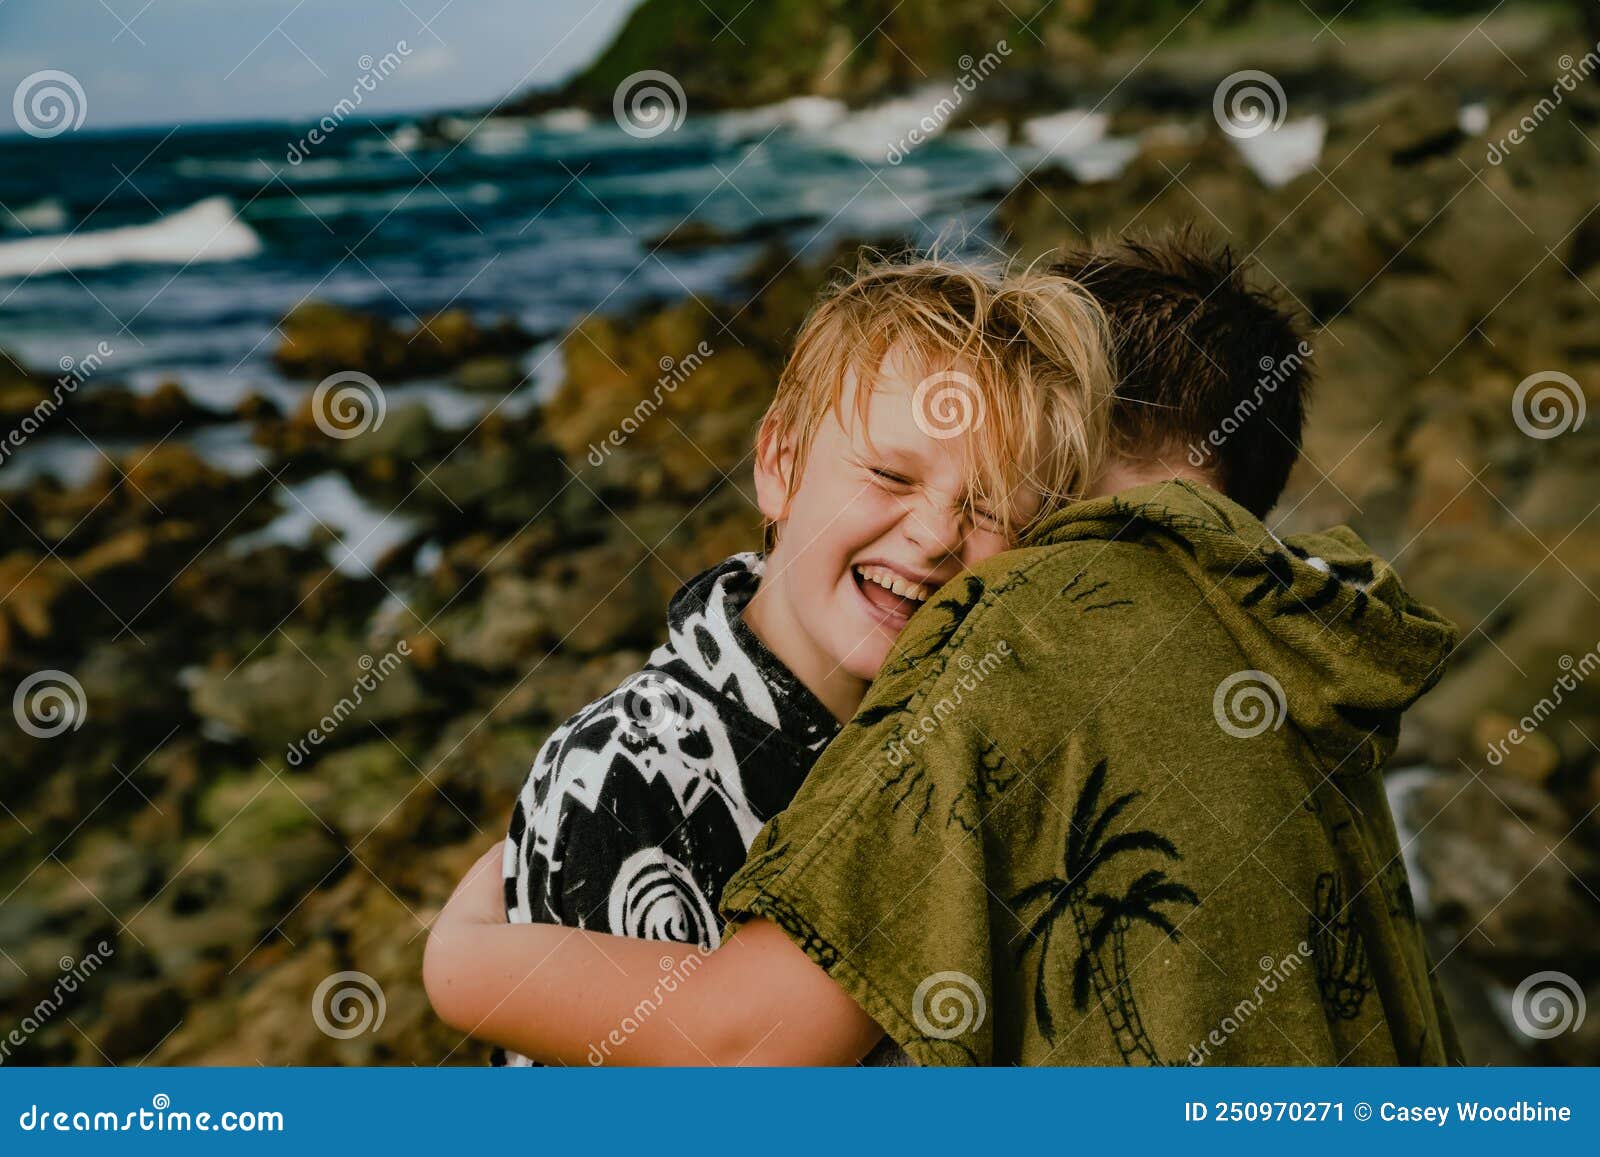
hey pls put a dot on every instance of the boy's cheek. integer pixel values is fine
(982, 544)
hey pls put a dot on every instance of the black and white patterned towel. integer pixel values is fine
(642, 805)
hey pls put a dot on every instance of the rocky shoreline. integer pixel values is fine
(183, 818)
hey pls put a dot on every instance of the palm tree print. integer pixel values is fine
(1100, 919)
(1339, 951)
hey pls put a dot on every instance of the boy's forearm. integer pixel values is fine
(565, 996)
(562, 996)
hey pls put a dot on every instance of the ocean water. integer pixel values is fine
(180, 249)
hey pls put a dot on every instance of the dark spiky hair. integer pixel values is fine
(1209, 367)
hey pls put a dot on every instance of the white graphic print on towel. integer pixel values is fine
(654, 897)
(671, 723)
(639, 809)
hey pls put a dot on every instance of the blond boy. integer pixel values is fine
(929, 412)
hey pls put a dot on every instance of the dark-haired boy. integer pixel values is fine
(1116, 797)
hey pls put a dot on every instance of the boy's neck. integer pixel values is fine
(773, 620)
(1126, 473)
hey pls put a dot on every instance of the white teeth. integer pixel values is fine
(890, 581)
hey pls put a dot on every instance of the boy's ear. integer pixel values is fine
(773, 466)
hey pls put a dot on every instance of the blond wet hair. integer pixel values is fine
(1017, 360)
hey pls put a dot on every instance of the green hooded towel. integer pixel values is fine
(1117, 798)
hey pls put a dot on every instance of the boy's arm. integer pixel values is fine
(566, 996)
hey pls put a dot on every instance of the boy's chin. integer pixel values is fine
(866, 667)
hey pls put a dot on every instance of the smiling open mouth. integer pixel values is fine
(889, 592)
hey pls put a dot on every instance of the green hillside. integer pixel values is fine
(733, 53)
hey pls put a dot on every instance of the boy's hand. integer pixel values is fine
(480, 897)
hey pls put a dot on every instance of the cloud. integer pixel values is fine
(436, 60)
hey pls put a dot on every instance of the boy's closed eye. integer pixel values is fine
(889, 477)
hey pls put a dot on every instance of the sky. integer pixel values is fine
(160, 62)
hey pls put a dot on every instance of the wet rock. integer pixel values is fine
(364, 790)
(25, 615)
(1400, 126)
(135, 1017)
(488, 375)
(1504, 882)
(491, 480)
(327, 685)
(1531, 652)
(260, 847)
(1532, 757)
(588, 602)
(665, 404)
(407, 434)
(321, 339)
(109, 410)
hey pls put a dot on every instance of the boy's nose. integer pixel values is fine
(935, 529)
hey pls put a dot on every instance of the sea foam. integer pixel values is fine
(208, 230)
